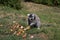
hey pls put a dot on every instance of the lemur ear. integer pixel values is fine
(28, 14)
(33, 15)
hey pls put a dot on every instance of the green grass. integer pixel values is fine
(50, 19)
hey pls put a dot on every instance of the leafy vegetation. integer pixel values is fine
(12, 3)
(46, 2)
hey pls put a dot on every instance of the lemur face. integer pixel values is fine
(31, 17)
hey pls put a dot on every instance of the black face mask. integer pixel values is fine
(31, 16)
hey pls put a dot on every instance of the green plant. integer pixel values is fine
(12, 3)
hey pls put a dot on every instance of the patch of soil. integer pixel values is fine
(34, 7)
(43, 36)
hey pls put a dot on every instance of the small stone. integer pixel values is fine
(32, 36)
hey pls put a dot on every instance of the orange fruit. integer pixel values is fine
(18, 33)
(24, 36)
